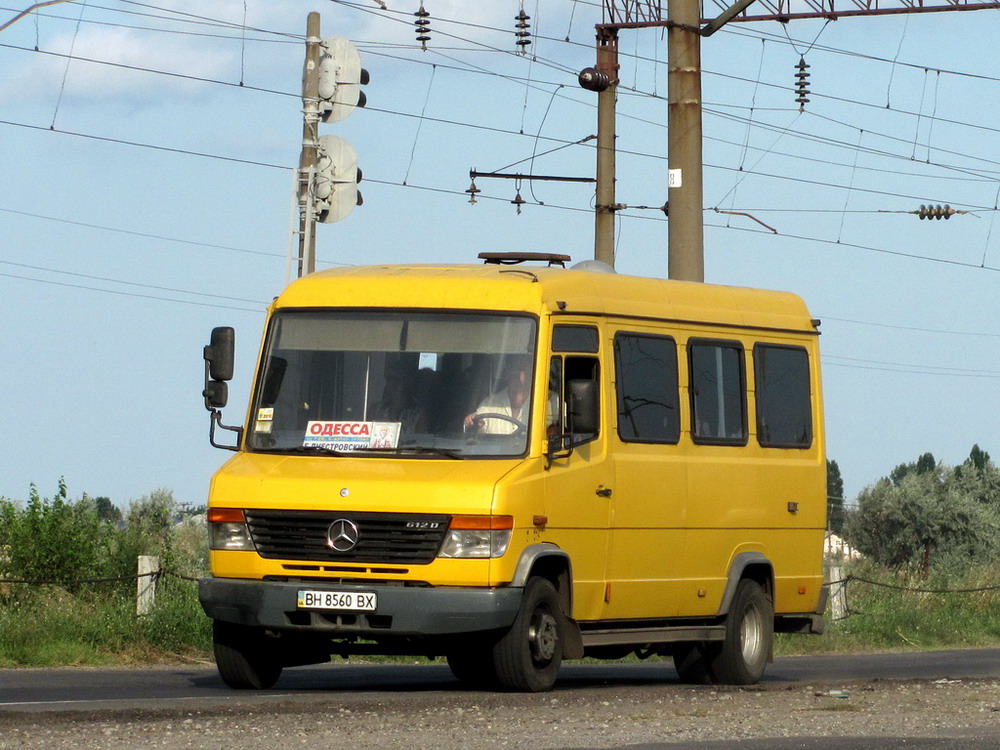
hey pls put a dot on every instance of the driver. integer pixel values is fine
(511, 401)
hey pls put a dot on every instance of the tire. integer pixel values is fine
(740, 659)
(527, 657)
(244, 656)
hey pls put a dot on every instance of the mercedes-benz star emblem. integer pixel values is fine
(342, 536)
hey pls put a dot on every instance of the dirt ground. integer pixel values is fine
(599, 718)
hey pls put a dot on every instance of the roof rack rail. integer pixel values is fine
(509, 259)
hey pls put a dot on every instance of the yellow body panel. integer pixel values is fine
(678, 515)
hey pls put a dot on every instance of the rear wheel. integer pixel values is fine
(740, 659)
(527, 657)
(245, 656)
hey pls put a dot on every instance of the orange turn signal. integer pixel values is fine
(482, 522)
(226, 515)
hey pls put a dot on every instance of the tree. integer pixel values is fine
(979, 458)
(977, 477)
(834, 497)
(107, 510)
(919, 518)
(923, 465)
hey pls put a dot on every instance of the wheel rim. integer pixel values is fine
(543, 636)
(752, 635)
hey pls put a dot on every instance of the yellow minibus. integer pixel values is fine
(516, 463)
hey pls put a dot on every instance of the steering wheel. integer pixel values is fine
(518, 424)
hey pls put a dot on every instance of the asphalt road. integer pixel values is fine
(40, 690)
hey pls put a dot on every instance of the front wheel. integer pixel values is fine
(740, 659)
(527, 657)
(244, 656)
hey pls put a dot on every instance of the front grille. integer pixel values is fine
(403, 538)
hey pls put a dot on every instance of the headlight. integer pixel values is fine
(477, 536)
(227, 530)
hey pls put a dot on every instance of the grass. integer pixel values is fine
(887, 619)
(53, 628)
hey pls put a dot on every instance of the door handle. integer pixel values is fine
(603, 491)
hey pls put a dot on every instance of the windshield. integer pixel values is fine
(414, 384)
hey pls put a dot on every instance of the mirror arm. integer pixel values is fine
(216, 420)
(552, 456)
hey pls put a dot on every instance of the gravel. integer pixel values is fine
(598, 717)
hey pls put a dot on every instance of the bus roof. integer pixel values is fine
(544, 290)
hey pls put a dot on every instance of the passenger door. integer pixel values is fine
(649, 504)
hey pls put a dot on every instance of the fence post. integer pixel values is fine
(838, 594)
(149, 568)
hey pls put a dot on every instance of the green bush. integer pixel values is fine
(54, 540)
(74, 622)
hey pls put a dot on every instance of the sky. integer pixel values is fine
(148, 152)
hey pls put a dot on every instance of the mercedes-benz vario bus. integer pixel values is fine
(508, 465)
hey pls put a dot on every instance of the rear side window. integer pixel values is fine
(784, 408)
(718, 392)
(648, 404)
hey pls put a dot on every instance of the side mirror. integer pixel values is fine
(583, 406)
(216, 394)
(220, 353)
(219, 359)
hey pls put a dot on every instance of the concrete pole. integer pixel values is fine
(148, 568)
(310, 136)
(685, 225)
(604, 219)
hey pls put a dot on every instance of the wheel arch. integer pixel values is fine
(552, 563)
(752, 565)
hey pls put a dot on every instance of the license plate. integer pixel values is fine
(345, 600)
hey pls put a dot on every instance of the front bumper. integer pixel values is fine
(401, 611)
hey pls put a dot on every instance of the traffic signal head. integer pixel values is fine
(335, 185)
(340, 79)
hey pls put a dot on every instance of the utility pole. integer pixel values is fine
(686, 233)
(607, 96)
(310, 137)
(685, 223)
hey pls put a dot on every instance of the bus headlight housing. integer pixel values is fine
(477, 536)
(227, 530)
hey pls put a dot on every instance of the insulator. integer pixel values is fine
(522, 33)
(423, 25)
(518, 201)
(472, 192)
(936, 212)
(801, 84)
(593, 79)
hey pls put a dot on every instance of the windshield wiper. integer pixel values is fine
(404, 449)
(437, 451)
(312, 450)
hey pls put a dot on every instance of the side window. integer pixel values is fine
(784, 407)
(574, 338)
(648, 402)
(563, 370)
(718, 392)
